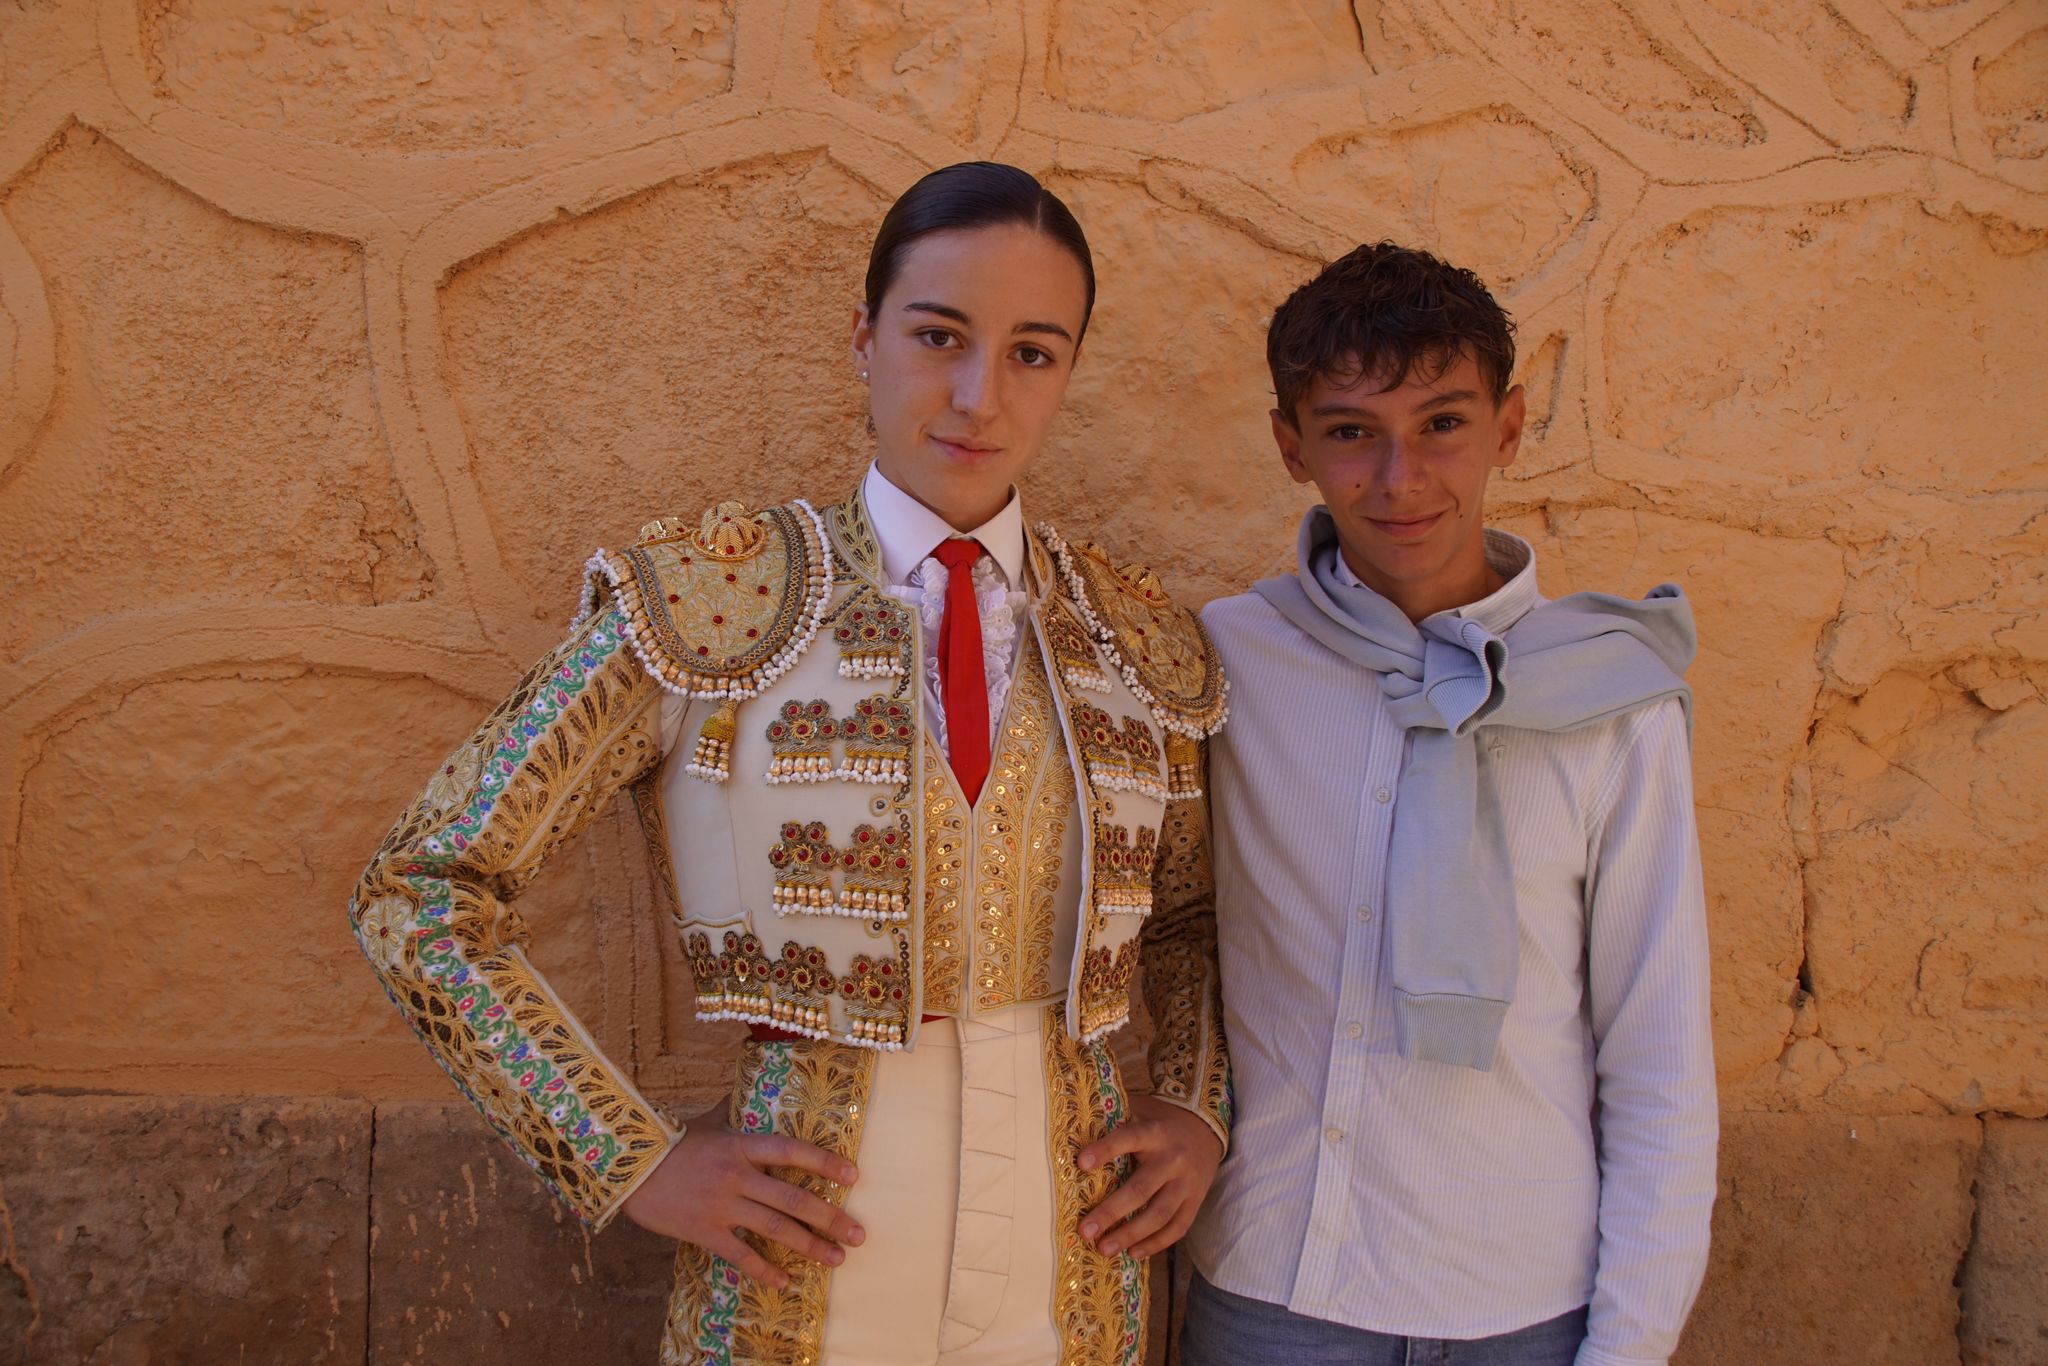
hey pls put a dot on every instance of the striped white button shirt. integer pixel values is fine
(1424, 1199)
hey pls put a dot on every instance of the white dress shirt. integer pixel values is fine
(1430, 1200)
(908, 532)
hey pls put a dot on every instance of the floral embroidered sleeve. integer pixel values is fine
(432, 915)
(1189, 1063)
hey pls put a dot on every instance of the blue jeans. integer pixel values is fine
(1223, 1329)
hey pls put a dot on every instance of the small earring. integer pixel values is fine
(863, 377)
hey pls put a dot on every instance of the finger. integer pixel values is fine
(777, 1227)
(1119, 1142)
(1166, 1237)
(777, 1150)
(1143, 1225)
(822, 1215)
(750, 1263)
(1123, 1202)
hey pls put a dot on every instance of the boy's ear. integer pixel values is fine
(1514, 411)
(1288, 438)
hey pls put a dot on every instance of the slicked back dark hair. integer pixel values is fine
(973, 194)
(1390, 311)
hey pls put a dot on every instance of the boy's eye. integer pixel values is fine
(1446, 422)
(1348, 432)
(1034, 356)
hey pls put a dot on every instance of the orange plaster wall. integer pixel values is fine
(334, 335)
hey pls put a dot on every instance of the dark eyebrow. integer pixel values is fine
(1440, 401)
(943, 310)
(1446, 400)
(948, 311)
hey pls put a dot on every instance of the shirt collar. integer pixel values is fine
(908, 530)
(1509, 556)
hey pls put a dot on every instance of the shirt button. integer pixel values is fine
(1364, 915)
(1383, 796)
(1354, 1030)
(1334, 1135)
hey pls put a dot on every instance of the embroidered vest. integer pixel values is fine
(827, 874)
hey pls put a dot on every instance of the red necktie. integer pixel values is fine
(963, 684)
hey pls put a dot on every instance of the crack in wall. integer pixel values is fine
(370, 1240)
(10, 1261)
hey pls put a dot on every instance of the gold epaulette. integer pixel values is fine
(724, 609)
(1160, 648)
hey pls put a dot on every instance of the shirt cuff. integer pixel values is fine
(1589, 1355)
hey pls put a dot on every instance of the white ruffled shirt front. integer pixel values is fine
(908, 532)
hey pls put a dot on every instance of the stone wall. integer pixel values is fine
(333, 334)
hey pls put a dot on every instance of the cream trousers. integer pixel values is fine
(955, 1194)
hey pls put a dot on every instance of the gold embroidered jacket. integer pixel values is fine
(828, 876)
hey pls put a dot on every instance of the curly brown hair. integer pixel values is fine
(1387, 310)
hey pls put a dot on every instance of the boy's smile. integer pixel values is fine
(1403, 471)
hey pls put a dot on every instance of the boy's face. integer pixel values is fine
(1404, 471)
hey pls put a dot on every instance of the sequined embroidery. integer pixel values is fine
(725, 612)
(878, 737)
(793, 989)
(1164, 653)
(874, 637)
(1123, 868)
(801, 739)
(1106, 984)
(812, 1091)
(1099, 1303)
(1073, 651)
(874, 871)
(945, 867)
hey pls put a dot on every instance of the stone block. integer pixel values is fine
(153, 1231)
(2005, 1277)
(926, 62)
(634, 336)
(1836, 1238)
(434, 78)
(2012, 98)
(1603, 50)
(1173, 59)
(1927, 949)
(262, 951)
(1787, 343)
(1489, 191)
(474, 1263)
(214, 430)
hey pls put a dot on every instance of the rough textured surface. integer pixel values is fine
(473, 1261)
(156, 1229)
(1490, 190)
(214, 400)
(916, 61)
(1608, 51)
(1780, 375)
(2012, 98)
(1836, 1238)
(1174, 59)
(1932, 984)
(334, 335)
(2005, 1277)
(591, 360)
(436, 77)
